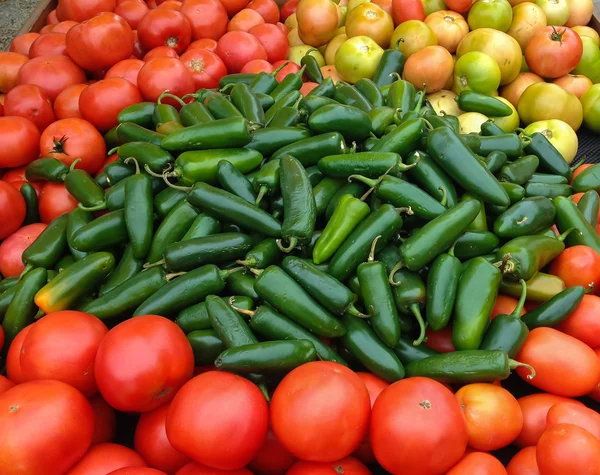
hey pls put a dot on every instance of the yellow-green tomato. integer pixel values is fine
(471, 122)
(496, 14)
(560, 134)
(509, 123)
(477, 72)
(357, 58)
(412, 36)
(591, 108)
(557, 11)
(432, 6)
(589, 64)
(587, 31)
(298, 52)
(545, 101)
(444, 103)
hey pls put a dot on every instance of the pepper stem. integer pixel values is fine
(371, 182)
(247, 262)
(243, 311)
(28, 267)
(399, 265)
(293, 243)
(512, 364)
(274, 73)
(171, 96)
(428, 124)
(396, 75)
(451, 250)
(517, 311)
(228, 272)
(372, 251)
(112, 151)
(352, 310)
(170, 277)
(135, 162)
(165, 177)
(256, 272)
(414, 308)
(525, 140)
(564, 235)
(408, 210)
(444, 200)
(75, 162)
(148, 265)
(149, 171)
(262, 191)
(92, 208)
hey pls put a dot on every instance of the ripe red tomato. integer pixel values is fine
(161, 52)
(283, 28)
(523, 463)
(99, 43)
(40, 414)
(110, 159)
(244, 20)
(577, 265)
(11, 249)
(553, 51)
(404, 10)
(105, 421)
(413, 419)
(161, 74)
(257, 66)
(460, 6)
(440, 341)
(101, 102)
(64, 26)
(218, 419)
(80, 11)
(195, 468)
(234, 6)
(595, 393)
(272, 458)
(20, 140)
(37, 186)
(12, 209)
(347, 466)
(13, 357)
(567, 448)
(576, 414)
(52, 19)
(66, 105)
(236, 48)
(268, 9)
(10, 64)
(5, 384)
(288, 9)
(54, 201)
(505, 305)
(152, 444)
(320, 411)
(207, 43)
(206, 68)
(52, 74)
(132, 11)
(138, 51)
(207, 17)
(582, 323)
(165, 28)
(171, 5)
(573, 371)
(289, 68)
(480, 463)
(273, 41)
(22, 43)
(160, 360)
(63, 346)
(127, 69)
(105, 458)
(30, 102)
(49, 44)
(15, 174)
(69, 139)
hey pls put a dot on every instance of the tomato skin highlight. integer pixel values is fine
(12, 209)
(553, 51)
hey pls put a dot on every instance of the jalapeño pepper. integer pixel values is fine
(407, 352)
(7, 283)
(234, 181)
(130, 132)
(549, 190)
(149, 156)
(324, 191)
(102, 232)
(247, 103)
(32, 214)
(471, 101)
(402, 139)
(569, 216)
(285, 117)
(391, 64)
(431, 178)
(237, 78)
(402, 95)
(262, 255)
(118, 171)
(140, 114)
(351, 96)
(409, 293)
(203, 225)
(588, 179)
(221, 108)
(370, 91)
(528, 216)
(267, 179)
(510, 144)
(167, 199)
(195, 113)
(555, 310)
(49, 246)
(489, 127)
(232, 330)
(242, 283)
(354, 124)
(589, 205)
(495, 161)
(231, 132)
(551, 160)
(128, 267)
(515, 192)
(442, 283)
(288, 100)
(206, 346)
(310, 150)
(443, 121)
(521, 170)
(381, 118)
(313, 70)
(164, 113)
(312, 103)
(292, 82)
(46, 169)
(267, 141)
(541, 288)
(370, 164)
(354, 189)
(549, 179)
(264, 83)
(196, 316)
(77, 219)
(326, 88)
(139, 210)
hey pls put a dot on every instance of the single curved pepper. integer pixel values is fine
(442, 283)
(118, 171)
(324, 191)
(370, 91)
(139, 211)
(29, 194)
(589, 205)
(234, 181)
(311, 103)
(237, 78)
(510, 144)
(262, 255)
(475, 243)
(196, 316)
(195, 113)
(551, 160)
(128, 267)
(351, 96)
(407, 352)
(149, 156)
(247, 103)
(130, 132)
(548, 178)
(489, 127)
(46, 169)
(354, 124)
(381, 118)
(268, 140)
(167, 199)
(471, 101)
(291, 99)
(77, 219)
(354, 189)
(232, 132)
(519, 171)
(267, 180)
(369, 164)
(313, 70)
(231, 329)
(528, 216)
(495, 161)
(402, 95)
(7, 283)
(221, 108)
(541, 288)
(549, 190)
(409, 294)
(392, 61)
(242, 283)
(403, 139)
(105, 231)
(49, 246)
(286, 117)
(556, 309)
(140, 114)
(569, 216)
(164, 113)
(206, 346)
(291, 83)
(309, 151)
(588, 179)
(326, 88)
(431, 178)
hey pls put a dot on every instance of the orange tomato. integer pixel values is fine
(307, 87)
(578, 170)
(370, 20)
(578, 265)
(479, 463)
(505, 305)
(430, 67)
(595, 394)
(244, 20)
(527, 19)
(492, 414)
(317, 21)
(570, 413)
(581, 12)
(566, 448)
(513, 91)
(329, 71)
(523, 463)
(575, 84)
(449, 27)
(412, 36)
(460, 6)
(583, 323)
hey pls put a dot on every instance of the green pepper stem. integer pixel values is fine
(247, 262)
(352, 310)
(228, 272)
(517, 311)
(428, 124)
(165, 177)
(170, 277)
(276, 72)
(256, 272)
(92, 208)
(451, 250)
(372, 251)
(171, 96)
(150, 172)
(407, 209)
(399, 265)
(135, 162)
(292, 244)
(148, 265)
(40, 313)
(191, 95)
(579, 163)
(75, 162)
(262, 191)
(28, 267)
(564, 235)
(370, 182)
(444, 200)
(414, 308)
(243, 311)
(394, 74)
(113, 151)
(512, 364)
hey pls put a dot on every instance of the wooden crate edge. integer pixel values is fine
(37, 19)
(595, 23)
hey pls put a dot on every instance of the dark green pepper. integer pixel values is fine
(354, 124)
(268, 179)
(267, 141)
(285, 117)
(128, 267)
(46, 169)
(525, 217)
(195, 113)
(407, 352)
(130, 132)
(196, 316)
(325, 88)
(370, 91)
(548, 178)
(351, 96)
(324, 191)
(232, 132)
(309, 151)
(409, 294)
(588, 179)
(475, 243)
(242, 283)
(402, 139)
(442, 283)
(166, 200)
(510, 144)
(551, 160)
(495, 161)
(313, 70)
(391, 65)
(569, 216)
(49, 246)
(221, 108)
(402, 95)
(149, 156)
(291, 99)
(471, 101)
(589, 205)
(262, 255)
(520, 171)
(140, 114)
(291, 83)
(555, 310)
(549, 190)
(32, 214)
(247, 103)
(206, 345)
(311, 103)
(369, 164)
(431, 178)
(381, 118)
(139, 210)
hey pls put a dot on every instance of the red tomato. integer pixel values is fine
(307, 87)
(492, 415)
(1, 109)
(51, 19)
(20, 140)
(132, 11)
(165, 28)
(595, 393)
(289, 68)
(244, 20)
(573, 371)
(234, 6)
(101, 102)
(440, 341)
(126, 69)
(404, 10)
(66, 105)
(523, 463)
(320, 411)
(553, 51)
(171, 5)
(37, 186)
(194, 468)
(13, 357)
(566, 448)
(10, 64)
(160, 360)
(137, 471)
(105, 458)
(414, 419)
(207, 43)
(12, 209)
(505, 305)
(283, 28)
(49, 44)
(347, 466)
(80, 11)
(288, 9)
(257, 66)
(5, 384)
(41, 414)
(138, 50)
(236, 48)
(105, 421)
(161, 74)
(160, 52)
(64, 26)
(375, 386)
(99, 43)
(219, 419)
(63, 346)
(15, 174)
(272, 458)
(273, 41)
(207, 17)
(54, 201)
(52, 74)
(479, 463)
(460, 6)
(583, 322)
(152, 444)
(576, 414)
(11, 249)
(577, 265)
(30, 102)
(22, 43)
(1, 347)
(206, 68)
(268, 9)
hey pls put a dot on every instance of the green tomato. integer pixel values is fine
(496, 14)
(591, 108)
(509, 123)
(357, 58)
(589, 65)
(477, 72)
(557, 11)
(560, 134)
(432, 6)
(298, 52)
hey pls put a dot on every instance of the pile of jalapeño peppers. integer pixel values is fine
(277, 229)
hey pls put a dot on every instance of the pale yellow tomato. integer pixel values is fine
(509, 123)
(332, 48)
(444, 103)
(560, 134)
(581, 12)
(357, 58)
(589, 32)
(412, 36)
(527, 19)
(545, 101)
(298, 52)
(471, 122)
(557, 11)
(294, 38)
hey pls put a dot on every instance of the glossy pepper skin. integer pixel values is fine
(231, 132)
(525, 217)
(234, 181)
(49, 169)
(292, 82)
(220, 107)
(381, 118)
(370, 91)
(589, 205)
(541, 288)
(49, 246)
(195, 317)
(309, 151)
(140, 114)
(267, 141)
(139, 211)
(409, 293)
(84, 189)
(247, 103)
(402, 95)
(549, 190)
(354, 124)
(351, 96)
(569, 216)
(369, 164)
(555, 310)
(509, 144)
(588, 179)
(520, 171)
(431, 178)
(148, 155)
(324, 191)
(551, 160)
(474, 244)
(195, 113)
(127, 267)
(442, 283)
(471, 101)
(402, 139)
(392, 61)
(130, 132)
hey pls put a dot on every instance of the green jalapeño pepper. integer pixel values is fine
(196, 316)
(237, 78)
(528, 216)
(267, 180)
(521, 170)
(101, 233)
(356, 190)
(477, 290)
(402, 139)
(431, 178)
(471, 101)
(234, 181)
(195, 113)
(267, 141)
(475, 243)
(309, 151)
(510, 144)
(291, 99)
(551, 160)
(299, 215)
(139, 211)
(348, 214)
(549, 190)
(261, 256)
(369, 164)
(313, 70)
(392, 61)
(489, 127)
(286, 117)
(140, 114)
(409, 293)
(325, 89)
(247, 103)
(407, 352)
(166, 200)
(507, 332)
(555, 310)
(49, 246)
(46, 169)
(118, 171)
(442, 283)
(130, 132)
(351, 96)
(402, 95)
(495, 161)
(292, 82)
(312, 102)
(204, 225)
(220, 107)
(371, 91)
(548, 178)
(589, 205)
(324, 191)
(232, 132)
(569, 216)
(381, 118)
(128, 267)
(149, 156)
(588, 179)
(228, 324)
(164, 113)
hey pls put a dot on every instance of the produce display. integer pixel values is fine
(313, 238)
